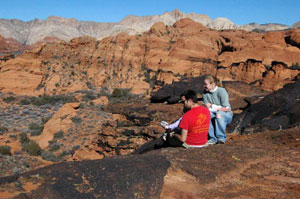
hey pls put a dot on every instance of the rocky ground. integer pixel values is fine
(79, 146)
(264, 165)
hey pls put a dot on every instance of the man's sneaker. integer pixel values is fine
(210, 142)
(221, 141)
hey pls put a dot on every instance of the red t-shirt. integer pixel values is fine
(196, 121)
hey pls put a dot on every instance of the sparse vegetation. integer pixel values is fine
(89, 95)
(47, 99)
(49, 156)
(24, 101)
(5, 150)
(35, 129)
(58, 135)
(45, 119)
(120, 92)
(76, 120)
(54, 147)
(9, 99)
(32, 148)
(295, 66)
(23, 138)
(3, 129)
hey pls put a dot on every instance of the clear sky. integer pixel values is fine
(239, 11)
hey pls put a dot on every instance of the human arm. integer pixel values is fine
(182, 137)
(173, 125)
(224, 98)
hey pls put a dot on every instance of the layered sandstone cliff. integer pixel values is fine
(159, 56)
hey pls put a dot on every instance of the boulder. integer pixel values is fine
(276, 111)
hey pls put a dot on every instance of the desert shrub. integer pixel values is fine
(35, 129)
(9, 99)
(47, 99)
(49, 156)
(89, 95)
(76, 120)
(32, 148)
(24, 101)
(58, 135)
(23, 138)
(295, 66)
(5, 150)
(3, 129)
(45, 119)
(54, 147)
(120, 92)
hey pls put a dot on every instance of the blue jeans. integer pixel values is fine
(217, 126)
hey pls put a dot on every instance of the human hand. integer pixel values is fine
(171, 134)
(224, 109)
(208, 105)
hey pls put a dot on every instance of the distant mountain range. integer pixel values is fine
(67, 28)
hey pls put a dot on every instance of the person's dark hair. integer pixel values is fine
(190, 94)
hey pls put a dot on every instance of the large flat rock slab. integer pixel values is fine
(248, 166)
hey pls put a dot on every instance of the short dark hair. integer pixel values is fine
(190, 94)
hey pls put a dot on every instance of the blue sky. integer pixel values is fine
(239, 11)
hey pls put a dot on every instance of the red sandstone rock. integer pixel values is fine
(164, 53)
(9, 45)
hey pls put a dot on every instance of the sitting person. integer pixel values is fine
(174, 126)
(194, 124)
(194, 127)
(216, 99)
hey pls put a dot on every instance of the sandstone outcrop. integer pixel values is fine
(163, 55)
(9, 45)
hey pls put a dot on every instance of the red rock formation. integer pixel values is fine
(164, 53)
(9, 45)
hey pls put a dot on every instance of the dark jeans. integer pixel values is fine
(160, 143)
(173, 141)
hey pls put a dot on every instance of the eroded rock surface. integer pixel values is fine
(143, 63)
(258, 166)
(276, 111)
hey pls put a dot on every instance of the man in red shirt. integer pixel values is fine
(194, 124)
(194, 127)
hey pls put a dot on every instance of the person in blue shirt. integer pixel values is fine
(217, 100)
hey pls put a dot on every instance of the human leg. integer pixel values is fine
(211, 132)
(173, 141)
(220, 124)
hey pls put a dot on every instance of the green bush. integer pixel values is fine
(24, 101)
(35, 129)
(47, 99)
(49, 156)
(76, 120)
(89, 95)
(23, 138)
(5, 150)
(32, 148)
(54, 147)
(3, 129)
(58, 135)
(120, 92)
(45, 119)
(9, 99)
(295, 66)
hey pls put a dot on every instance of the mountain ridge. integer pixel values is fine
(67, 28)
